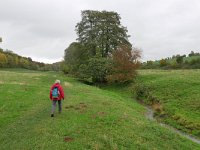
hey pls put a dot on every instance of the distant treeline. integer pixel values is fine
(192, 61)
(8, 59)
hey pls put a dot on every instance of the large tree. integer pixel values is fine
(101, 32)
(92, 58)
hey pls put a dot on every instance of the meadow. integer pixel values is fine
(92, 118)
(178, 94)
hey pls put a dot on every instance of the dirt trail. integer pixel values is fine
(150, 115)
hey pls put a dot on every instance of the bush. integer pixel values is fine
(163, 62)
(124, 64)
(140, 91)
(179, 59)
(95, 70)
(143, 93)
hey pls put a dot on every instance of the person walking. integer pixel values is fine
(56, 95)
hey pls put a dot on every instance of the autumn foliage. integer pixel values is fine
(125, 61)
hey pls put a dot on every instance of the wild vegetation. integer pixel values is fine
(174, 95)
(102, 45)
(92, 118)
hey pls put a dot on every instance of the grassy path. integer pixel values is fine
(92, 118)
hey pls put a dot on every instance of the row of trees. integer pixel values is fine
(176, 62)
(102, 52)
(192, 53)
(8, 59)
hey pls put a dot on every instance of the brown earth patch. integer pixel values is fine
(77, 108)
(81, 107)
(68, 107)
(157, 107)
(68, 139)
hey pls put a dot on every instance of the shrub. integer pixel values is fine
(144, 94)
(95, 70)
(140, 91)
(124, 64)
(179, 59)
(163, 62)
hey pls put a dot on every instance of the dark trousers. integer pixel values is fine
(54, 106)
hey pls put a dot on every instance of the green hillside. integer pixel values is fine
(92, 118)
(178, 94)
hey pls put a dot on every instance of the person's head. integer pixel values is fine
(57, 81)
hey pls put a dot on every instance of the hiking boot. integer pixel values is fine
(52, 115)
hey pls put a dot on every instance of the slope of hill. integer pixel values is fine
(177, 92)
(92, 118)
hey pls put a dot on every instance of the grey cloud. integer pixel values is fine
(42, 29)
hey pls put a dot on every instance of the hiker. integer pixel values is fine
(56, 95)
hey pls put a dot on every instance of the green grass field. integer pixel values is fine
(179, 94)
(92, 118)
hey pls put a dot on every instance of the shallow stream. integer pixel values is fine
(150, 115)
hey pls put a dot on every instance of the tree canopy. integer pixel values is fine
(100, 34)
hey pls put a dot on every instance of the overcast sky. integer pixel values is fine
(43, 29)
